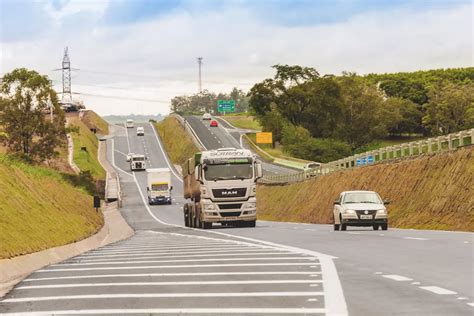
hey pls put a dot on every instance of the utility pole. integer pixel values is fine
(199, 59)
(67, 96)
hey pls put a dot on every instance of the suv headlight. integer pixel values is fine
(349, 212)
(209, 207)
(251, 205)
(382, 212)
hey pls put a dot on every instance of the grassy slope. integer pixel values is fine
(39, 210)
(92, 120)
(430, 192)
(178, 144)
(86, 159)
(243, 121)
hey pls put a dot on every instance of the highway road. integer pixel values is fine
(227, 136)
(273, 269)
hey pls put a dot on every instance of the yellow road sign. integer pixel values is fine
(264, 138)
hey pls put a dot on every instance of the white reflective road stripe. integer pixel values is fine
(213, 255)
(134, 275)
(175, 248)
(438, 290)
(226, 282)
(179, 311)
(160, 295)
(415, 238)
(397, 277)
(168, 254)
(183, 266)
(177, 260)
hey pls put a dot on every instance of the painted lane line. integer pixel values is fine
(172, 254)
(113, 160)
(470, 304)
(174, 283)
(312, 300)
(173, 274)
(351, 233)
(462, 298)
(160, 295)
(438, 290)
(164, 154)
(197, 247)
(396, 277)
(416, 283)
(415, 238)
(176, 250)
(182, 266)
(179, 311)
(378, 272)
(178, 260)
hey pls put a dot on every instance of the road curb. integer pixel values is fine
(13, 271)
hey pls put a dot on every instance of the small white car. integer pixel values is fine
(129, 156)
(206, 116)
(360, 208)
(140, 131)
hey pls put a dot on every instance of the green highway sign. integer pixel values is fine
(225, 106)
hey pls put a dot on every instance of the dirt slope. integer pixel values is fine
(429, 192)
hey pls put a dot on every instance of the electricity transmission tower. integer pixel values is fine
(199, 59)
(67, 94)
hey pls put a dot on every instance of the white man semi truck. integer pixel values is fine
(222, 187)
(159, 186)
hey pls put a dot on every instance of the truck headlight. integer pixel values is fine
(209, 207)
(351, 212)
(251, 205)
(382, 212)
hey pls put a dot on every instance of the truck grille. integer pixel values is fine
(223, 193)
(230, 206)
(229, 214)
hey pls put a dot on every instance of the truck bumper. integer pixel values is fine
(159, 200)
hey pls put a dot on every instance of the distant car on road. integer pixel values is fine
(360, 208)
(312, 169)
(129, 156)
(214, 124)
(206, 116)
(140, 131)
(129, 123)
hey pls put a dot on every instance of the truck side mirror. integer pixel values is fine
(171, 188)
(259, 171)
(337, 203)
(386, 202)
(147, 188)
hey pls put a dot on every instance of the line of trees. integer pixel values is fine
(26, 129)
(323, 118)
(207, 102)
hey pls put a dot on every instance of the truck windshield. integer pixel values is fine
(228, 171)
(362, 197)
(159, 187)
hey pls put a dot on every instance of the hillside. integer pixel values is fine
(41, 208)
(428, 192)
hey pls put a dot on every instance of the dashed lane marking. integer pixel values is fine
(415, 238)
(396, 277)
(438, 290)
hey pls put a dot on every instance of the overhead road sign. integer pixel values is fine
(225, 106)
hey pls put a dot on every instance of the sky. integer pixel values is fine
(134, 56)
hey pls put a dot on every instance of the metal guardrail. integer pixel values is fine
(190, 130)
(427, 146)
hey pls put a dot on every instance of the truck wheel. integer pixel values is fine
(376, 227)
(384, 226)
(251, 223)
(343, 227)
(336, 227)
(207, 225)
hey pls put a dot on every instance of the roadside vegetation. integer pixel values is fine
(43, 203)
(85, 149)
(427, 192)
(244, 121)
(178, 143)
(92, 120)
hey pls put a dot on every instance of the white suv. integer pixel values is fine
(360, 208)
(206, 116)
(140, 131)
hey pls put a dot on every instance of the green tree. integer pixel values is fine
(26, 98)
(241, 100)
(180, 104)
(450, 108)
(401, 116)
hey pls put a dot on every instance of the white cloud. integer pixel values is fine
(238, 50)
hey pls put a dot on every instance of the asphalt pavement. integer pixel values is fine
(273, 269)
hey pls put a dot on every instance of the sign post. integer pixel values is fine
(224, 106)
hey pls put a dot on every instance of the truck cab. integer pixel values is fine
(137, 162)
(159, 186)
(222, 187)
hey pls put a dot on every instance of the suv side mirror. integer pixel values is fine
(386, 202)
(337, 202)
(171, 188)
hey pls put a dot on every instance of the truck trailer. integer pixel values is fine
(159, 186)
(221, 185)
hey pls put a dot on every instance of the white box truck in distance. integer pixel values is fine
(159, 186)
(222, 187)
(129, 123)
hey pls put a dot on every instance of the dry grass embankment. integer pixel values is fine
(243, 121)
(178, 143)
(40, 208)
(428, 192)
(85, 148)
(93, 120)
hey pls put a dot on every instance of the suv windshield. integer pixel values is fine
(228, 171)
(138, 158)
(362, 197)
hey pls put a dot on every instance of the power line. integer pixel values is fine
(124, 98)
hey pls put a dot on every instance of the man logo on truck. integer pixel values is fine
(229, 192)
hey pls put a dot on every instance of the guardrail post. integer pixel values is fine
(450, 142)
(439, 143)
